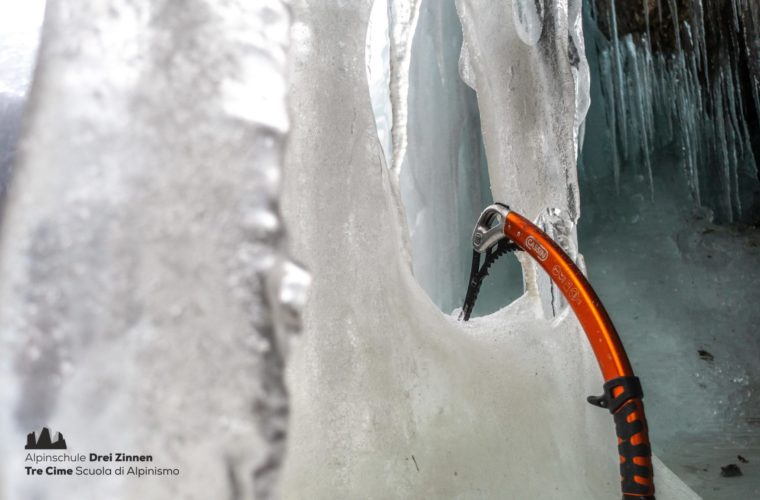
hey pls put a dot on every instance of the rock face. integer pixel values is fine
(665, 22)
(146, 297)
(654, 16)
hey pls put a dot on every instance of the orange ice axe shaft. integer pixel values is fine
(622, 390)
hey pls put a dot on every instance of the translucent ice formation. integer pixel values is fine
(146, 299)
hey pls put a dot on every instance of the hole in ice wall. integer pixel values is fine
(444, 180)
(20, 27)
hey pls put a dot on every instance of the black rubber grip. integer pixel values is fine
(629, 469)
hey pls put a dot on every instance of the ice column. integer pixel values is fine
(532, 87)
(146, 298)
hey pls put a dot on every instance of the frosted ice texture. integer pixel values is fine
(146, 298)
(391, 398)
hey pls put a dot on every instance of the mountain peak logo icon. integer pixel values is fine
(44, 442)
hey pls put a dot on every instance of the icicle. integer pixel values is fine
(692, 105)
(608, 88)
(735, 12)
(698, 19)
(725, 171)
(659, 11)
(640, 105)
(677, 32)
(751, 34)
(646, 20)
(733, 141)
(620, 89)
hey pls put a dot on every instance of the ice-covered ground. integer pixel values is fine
(675, 284)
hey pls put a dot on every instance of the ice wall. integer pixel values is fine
(146, 298)
(392, 398)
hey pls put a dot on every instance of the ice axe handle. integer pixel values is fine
(636, 472)
(622, 397)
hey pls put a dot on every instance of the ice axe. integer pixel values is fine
(500, 230)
